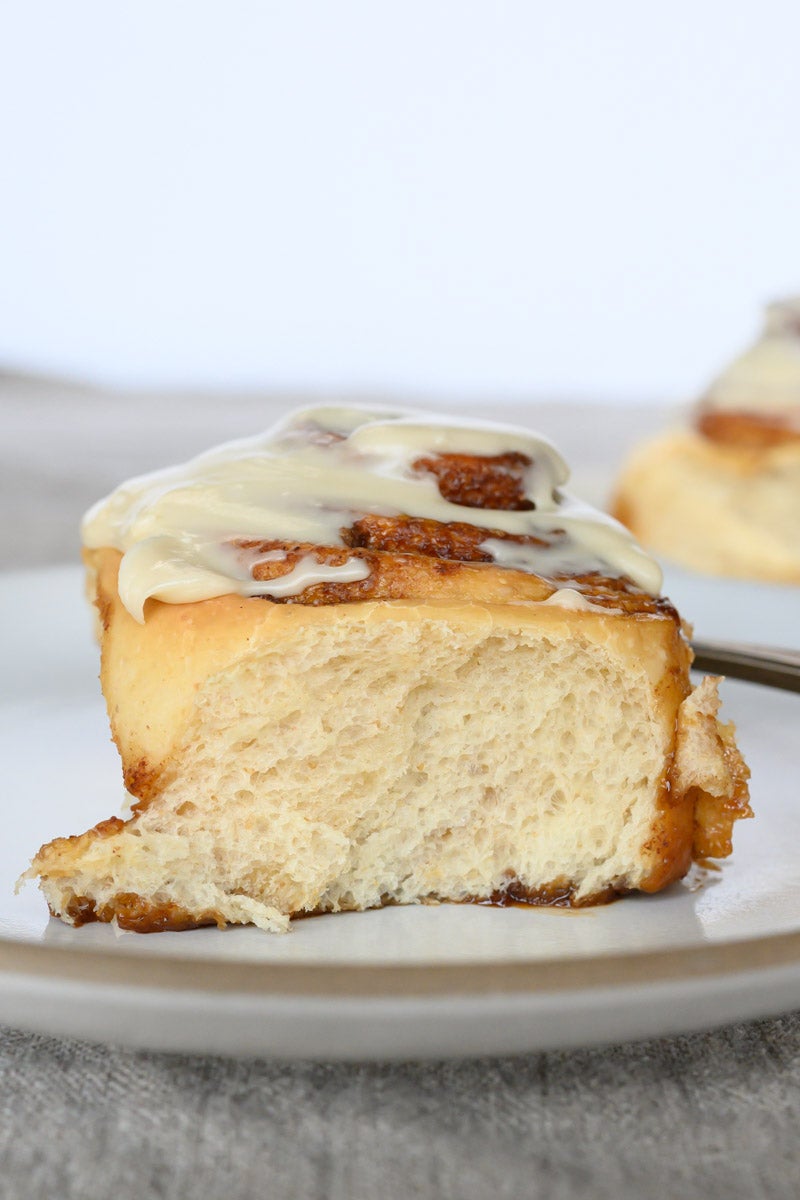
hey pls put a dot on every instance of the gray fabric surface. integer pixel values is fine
(711, 1116)
(705, 1116)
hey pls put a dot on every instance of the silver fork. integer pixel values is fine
(758, 664)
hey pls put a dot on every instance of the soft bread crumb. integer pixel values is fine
(389, 753)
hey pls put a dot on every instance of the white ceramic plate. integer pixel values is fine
(735, 610)
(415, 982)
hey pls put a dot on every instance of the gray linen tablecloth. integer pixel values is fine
(712, 1115)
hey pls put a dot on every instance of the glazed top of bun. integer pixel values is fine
(339, 477)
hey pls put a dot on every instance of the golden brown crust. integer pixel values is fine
(560, 893)
(711, 773)
(715, 815)
(139, 915)
(136, 914)
(129, 910)
(669, 846)
(102, 829)
(670, 843)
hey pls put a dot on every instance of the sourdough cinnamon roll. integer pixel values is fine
(723, 495)
(380, 657)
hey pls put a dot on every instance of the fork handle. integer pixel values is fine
(758, 664)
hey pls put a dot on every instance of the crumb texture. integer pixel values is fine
(346, 759)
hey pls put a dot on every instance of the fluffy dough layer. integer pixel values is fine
(287, 759)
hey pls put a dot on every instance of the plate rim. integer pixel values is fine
(111, 965)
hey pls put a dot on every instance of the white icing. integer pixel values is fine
(766, 378)
(176, 528)
(566, 597)
(307, 571)
(180, 571)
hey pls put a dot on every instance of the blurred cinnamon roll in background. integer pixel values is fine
(722, 495)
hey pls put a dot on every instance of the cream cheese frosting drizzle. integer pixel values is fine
(766, 378)
(312, 476)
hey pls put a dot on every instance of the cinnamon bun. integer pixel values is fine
(376, 657)
(723, 495)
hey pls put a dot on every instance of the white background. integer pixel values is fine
(516, 199)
